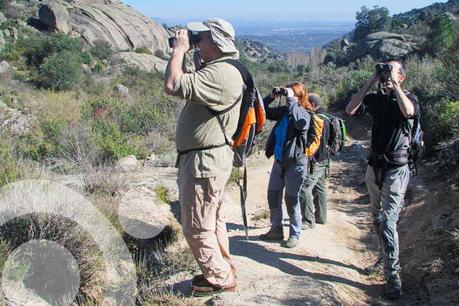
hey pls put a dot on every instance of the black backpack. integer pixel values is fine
(337, 133)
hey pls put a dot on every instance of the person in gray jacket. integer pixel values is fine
(287, 143)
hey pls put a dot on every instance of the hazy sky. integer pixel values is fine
(267, 10)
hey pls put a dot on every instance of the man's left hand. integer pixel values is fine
(181, 41)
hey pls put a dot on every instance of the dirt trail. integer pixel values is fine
(326, 268)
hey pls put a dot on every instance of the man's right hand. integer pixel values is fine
(357, 99)
(373, 78)
(181, 42)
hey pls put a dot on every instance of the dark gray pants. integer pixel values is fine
(290, 178)
(386, 204)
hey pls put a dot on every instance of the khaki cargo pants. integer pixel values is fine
(204, 228)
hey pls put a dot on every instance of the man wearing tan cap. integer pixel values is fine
(204, 154)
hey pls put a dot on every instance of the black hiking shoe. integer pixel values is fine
(376, 269)
(198, 278)
(393, 286)
(290, 243)
(274, 234)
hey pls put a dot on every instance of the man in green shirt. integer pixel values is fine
(204, 155)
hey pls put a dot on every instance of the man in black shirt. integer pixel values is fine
(392, 111)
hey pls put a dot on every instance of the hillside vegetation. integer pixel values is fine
(73, 107)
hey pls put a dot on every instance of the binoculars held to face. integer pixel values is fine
(280, 91)
(192, 38)
(383, 68)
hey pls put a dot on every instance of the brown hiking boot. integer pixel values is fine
(204, 288)
(274, 234)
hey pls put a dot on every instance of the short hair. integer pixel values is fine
(401, 63)
(315, 99)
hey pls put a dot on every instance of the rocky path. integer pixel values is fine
(327, 267)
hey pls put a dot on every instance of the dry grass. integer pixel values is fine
(66, 233)
(104, 180)
(59, 106)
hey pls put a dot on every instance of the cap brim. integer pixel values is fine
(197, 27)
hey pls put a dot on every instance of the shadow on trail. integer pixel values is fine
(250, 249)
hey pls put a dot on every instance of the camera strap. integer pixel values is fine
(197, 60)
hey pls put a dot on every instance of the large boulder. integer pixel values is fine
(143, 61)
(4, 66)
(383, 46)
(55, 16)
(113, 22)
(2, 18)
(128, 164)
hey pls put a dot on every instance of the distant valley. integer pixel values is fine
(300, 37)
(284, 36)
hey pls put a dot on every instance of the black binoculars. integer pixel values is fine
(193, 39)
(280, 91)
(383, 68)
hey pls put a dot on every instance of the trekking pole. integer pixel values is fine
(243, 194)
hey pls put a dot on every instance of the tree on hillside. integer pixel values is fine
(371, 20)
(444, 33)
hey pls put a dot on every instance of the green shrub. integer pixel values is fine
(113, 144)
(279, 67)
(101, 50)
(61, 71)
(8, 166)
(42, 46)
(98, 67)
(162, 192)
(444, 34)
(351, 84)
(52, 133)
(143, 50)
(445, 125)
(142, 118)
(86, 58)
(30, 146)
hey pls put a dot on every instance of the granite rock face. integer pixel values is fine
(106, 20)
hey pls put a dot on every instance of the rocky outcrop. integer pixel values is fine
(128, 164)
(122, 90)
(257, 51)
(106, 20)
(380, 46)
(143, 61)
(14, 120)
(55, 16)
(2, 18)
(4, 66)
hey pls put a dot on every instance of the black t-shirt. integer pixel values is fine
(390, 129)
